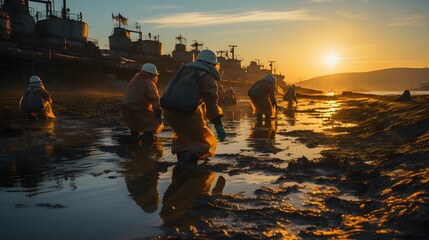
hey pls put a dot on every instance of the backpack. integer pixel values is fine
(32, 101)
(182, 94)
(256, 91)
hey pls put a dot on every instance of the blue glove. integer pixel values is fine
(159, 118)
(220, 132)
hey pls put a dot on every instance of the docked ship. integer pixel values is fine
(53, 44)
(135, 52)
(47, 43)
(230, 67)
(256, 71)
(232, 71)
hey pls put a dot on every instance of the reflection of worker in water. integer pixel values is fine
(290, 113)
(263, 99)
(186, 185)
(140, 107)
(142, 175)
(262, 137)
(290, 95)
(27, 169)
(37, 102)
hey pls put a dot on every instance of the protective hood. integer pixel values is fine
(35, 85)
(206, 67)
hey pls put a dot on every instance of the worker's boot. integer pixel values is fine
(186, 159)
(220, 184)
(259, 119)
(147, 138)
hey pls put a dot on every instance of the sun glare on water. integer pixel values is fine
(331, 59)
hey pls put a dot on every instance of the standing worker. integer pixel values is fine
(37, 101)
(140, 107)
(193, 140)
(290, 95)
(263, 99)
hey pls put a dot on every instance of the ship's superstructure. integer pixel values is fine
(180, 52)
(120, 41)
(230, 67)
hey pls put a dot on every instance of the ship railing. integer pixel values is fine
(144, 37)
(42, 15)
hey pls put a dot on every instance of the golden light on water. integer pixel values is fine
(331, 108)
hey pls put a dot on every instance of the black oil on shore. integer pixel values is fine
(343, 168)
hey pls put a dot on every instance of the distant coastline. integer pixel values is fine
(393, 79)
(387, 93)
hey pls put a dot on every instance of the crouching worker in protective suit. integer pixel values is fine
(263, 99)
(37, 102)
(140, 107)
(193, 140)
(229, 96)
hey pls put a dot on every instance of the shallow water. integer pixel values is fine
(76, 179)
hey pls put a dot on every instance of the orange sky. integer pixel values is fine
(362, 35)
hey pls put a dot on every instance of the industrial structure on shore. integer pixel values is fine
(55, 45)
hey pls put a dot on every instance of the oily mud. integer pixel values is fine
(327, 168)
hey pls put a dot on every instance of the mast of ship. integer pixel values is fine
(221, 53)
(180, 38)
(196, 46)
(271, 66)
(139, 31)
(120, 19)
(124, 21)
(232, 50)
(64, 10)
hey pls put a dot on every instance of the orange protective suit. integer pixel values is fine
(140, 104)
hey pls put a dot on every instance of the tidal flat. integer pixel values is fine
(348, 168)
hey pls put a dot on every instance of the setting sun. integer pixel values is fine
(331, 59)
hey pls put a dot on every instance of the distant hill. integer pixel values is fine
(393, 79)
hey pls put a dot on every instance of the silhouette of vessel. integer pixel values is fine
(232, 71)
(55, 46)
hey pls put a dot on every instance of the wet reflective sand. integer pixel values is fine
(323, 169)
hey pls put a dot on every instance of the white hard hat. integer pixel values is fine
(149, 68)
(208, 56)
(271, 78)
(34, 79)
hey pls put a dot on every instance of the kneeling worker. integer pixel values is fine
(37, 101)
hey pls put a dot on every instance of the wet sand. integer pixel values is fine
(327, 168)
